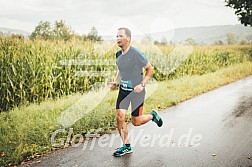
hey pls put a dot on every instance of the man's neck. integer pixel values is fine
(125, 49)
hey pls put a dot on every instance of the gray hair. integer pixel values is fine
(127, 31)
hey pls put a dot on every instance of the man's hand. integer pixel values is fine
(112, 85)
(139, 88)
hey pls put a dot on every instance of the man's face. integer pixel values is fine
(121, 38)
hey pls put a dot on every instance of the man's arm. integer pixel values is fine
(149, 70)
(117, 78)
(112, 85)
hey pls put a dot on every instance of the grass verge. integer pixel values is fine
(26, 131)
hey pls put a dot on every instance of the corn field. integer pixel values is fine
(32, 71)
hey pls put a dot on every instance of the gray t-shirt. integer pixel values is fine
(130, 66)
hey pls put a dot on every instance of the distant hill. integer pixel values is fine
(212, 33)
(14, 31)
(205, 34)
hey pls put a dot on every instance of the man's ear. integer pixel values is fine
(128, 38)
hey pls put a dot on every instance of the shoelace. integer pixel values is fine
(121, 148)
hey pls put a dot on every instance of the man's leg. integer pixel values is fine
(137, 103)
(140, 120)
(123, 131)
(121, 125)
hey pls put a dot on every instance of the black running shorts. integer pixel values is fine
(136, 99)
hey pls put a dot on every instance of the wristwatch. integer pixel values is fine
(143, 84)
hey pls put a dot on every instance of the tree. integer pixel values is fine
(156, 42)
(17, 36)
(61, 31)
(163, 41)
(190, 41)
(231, 38)
(45, 31)
(146, 40)
(243, 9)
(218, 42)
(93, 35)
(244, 41)
(42, 30)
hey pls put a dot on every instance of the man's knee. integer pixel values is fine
(120, 115)
(120, 118)
(136, 121)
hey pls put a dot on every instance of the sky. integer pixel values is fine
(142, 16)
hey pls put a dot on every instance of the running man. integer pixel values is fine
(130, 62)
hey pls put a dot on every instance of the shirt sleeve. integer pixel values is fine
(142, 60)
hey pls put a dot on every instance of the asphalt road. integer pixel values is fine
(213, 129)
